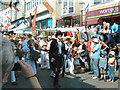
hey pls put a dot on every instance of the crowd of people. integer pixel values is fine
(60, 53)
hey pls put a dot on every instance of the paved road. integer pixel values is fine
(81, 81)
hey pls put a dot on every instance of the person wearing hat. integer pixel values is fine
(103, 65)
(57, 51)
(112, 66)
(44, 53)
(69, 60)
(95, 57)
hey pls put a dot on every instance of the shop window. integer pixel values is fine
(60, 23)
(75, 21)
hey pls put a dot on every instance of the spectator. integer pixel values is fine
(96, 56)
(103, 65)
(112, 67)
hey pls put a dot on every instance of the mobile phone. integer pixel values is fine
(16, 67)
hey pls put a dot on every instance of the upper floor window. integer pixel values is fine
(71, 6)
(33, 4)
(102, 1)
(5, 13)
(67, 6)
(40, 2)
(27, 6)
(37, 2)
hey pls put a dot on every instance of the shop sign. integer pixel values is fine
(104, 12)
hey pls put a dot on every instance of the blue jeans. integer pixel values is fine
(91, 65)
(95, 67)
(111, 72)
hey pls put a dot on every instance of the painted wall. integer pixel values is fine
(50, 22)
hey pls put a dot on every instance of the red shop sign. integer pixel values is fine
(104, 11)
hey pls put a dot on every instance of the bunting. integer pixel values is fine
(34, 20)
(15, 8)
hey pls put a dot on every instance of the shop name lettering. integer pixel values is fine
(109, 10)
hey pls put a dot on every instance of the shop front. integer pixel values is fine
(108, 13)
(68, 21)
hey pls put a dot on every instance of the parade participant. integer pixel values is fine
(69, 60)
(95, 57)
(13, 78)
(27, 48)
(44, 53)
(83, 54)
(76, 60)
(103, 65)
(112, 66)
(57, 51)
(52, 75)
(26, 39)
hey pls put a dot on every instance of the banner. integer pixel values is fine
(34, 20)
(15, 8)
(8, 17)
(48, 6)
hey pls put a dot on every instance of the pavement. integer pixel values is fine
(83, 80)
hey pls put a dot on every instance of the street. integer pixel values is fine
(83, 80)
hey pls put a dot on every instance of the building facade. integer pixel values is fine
(69, 13)
(103, 10)
(43, 19)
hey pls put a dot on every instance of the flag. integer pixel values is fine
(35, 9)
(15, 8)
(86, 8)
(34, 20)
(8, 17)
(48, 6)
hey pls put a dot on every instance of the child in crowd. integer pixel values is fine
(103, 65)
(112, 66)
(76, 61)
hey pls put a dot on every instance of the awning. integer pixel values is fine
(92, 21)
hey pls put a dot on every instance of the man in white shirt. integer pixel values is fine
(44, 53)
